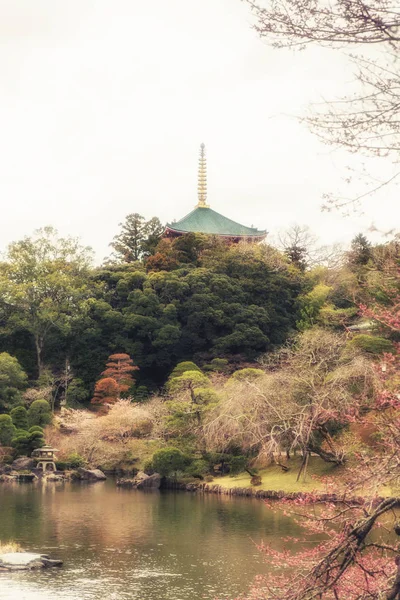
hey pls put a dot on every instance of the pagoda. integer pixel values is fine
(204, 219)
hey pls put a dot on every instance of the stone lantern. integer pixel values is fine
(45, 457)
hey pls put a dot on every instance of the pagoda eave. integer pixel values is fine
(174, 233)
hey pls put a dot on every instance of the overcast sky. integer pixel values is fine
(104, 104)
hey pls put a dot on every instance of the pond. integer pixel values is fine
(120, 544)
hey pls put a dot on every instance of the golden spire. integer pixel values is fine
(202, 181)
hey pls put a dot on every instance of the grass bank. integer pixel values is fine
(273, 478)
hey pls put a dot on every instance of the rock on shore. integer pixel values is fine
(141, 481)
(25, 561)
(90, 474)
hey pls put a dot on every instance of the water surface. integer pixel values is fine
(121, 544)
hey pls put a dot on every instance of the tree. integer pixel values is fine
(297, 243)
(39, 413)
(19, 416)
(43, 286)
(26, 442)
(366, 120)
(12, 380)
(7, 430)
(169, 460)
(318, 388)
(355, 561)
(116, 380)
(361, 251)
(137, 239)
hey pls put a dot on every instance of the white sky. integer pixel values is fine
(103, 105)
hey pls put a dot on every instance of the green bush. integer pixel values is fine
(141, 393)
(76, 393)
(148, 467)
(36, 428)
(61, 465)
(206, 396)
(217, 365)
(371, 344)
(19, 416)
(169, 460)
(72, 461)
(39, 413)
(182, 367)
(12, 380)
(20, 432)
(248, 374)
(75, 460)
(189, 379)
(197, 468)
(7, 430)
(26, 442)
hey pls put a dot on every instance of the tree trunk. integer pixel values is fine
(39, 349)
(327, 456)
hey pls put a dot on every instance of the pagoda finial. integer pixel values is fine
(202, 179)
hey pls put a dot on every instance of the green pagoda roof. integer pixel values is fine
(205, 220)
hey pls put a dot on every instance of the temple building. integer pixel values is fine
(204, 219)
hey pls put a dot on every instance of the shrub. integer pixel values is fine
(36, 428)
(12, 380)
(26, 442)
(182, 367)
(19, 416)
(141, 393)
(39, 413)
(21, 444)
(148, 467)
(77, 392)
(169, 460)
(248, 374)
(189, 379)
(7, 430)
(142, 428)
(218, 365)
(371, 344)
(75, 460)
(198, 468)
(206, 396)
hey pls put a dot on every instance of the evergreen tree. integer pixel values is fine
(361, 251)
(138, 238)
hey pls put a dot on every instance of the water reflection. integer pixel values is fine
(123, 544)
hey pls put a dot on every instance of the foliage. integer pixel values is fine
(106, 391)
(138, 238)
(43, 286)
(311, 305)
(169, 460)
(24, 443)
(19, 416)
(355, 561)
(12, 380)
(217, 301)
(372, 344)
(248, 374)
(361, 252)
(188, 380)
(310, 390)
(182, 367)
(39, 413)
(7, 430)
(116, 380)
(75, 460)
(217, 365)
